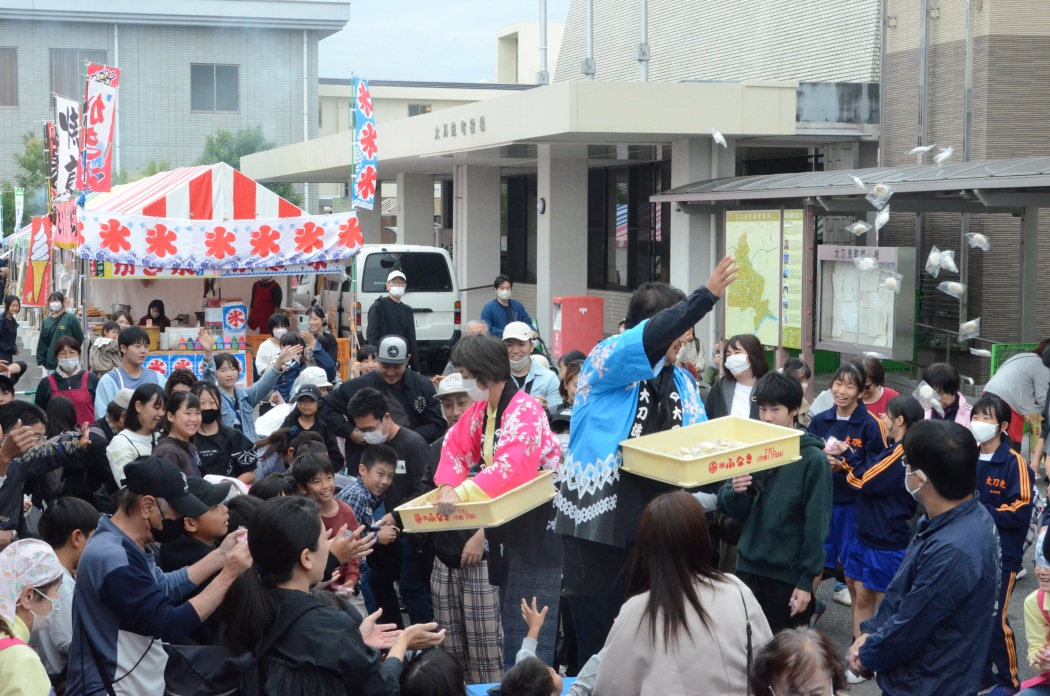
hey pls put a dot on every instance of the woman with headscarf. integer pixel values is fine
(30, 575)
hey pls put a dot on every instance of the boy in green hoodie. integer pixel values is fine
(786, 512)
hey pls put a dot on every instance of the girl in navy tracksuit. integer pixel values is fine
(884, 509)
(860, 435)
(1004, 485)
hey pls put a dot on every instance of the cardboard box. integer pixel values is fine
(421, 515)
(764, 446)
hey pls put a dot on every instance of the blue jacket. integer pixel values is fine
(884, 506)
(1004, 486)
(123, 601)
(497, 316)
(931, 633)
(863, 432)
(240, 411)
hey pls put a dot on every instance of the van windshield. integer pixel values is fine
(425, 271)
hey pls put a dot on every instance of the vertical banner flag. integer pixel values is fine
(20, 202)
(38, 279)
(67, 125)
(65, 234)
(100, 103)
(366, 157)
(51, 152)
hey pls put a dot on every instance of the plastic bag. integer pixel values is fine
(948, 261)
(933, 262)
(882, 218)
(970, 329)
(865, 263)
(976, 240)
(891, 281)
(880, 195)
(981, 353)
(950, 287)
(928, 398)
(858, 228)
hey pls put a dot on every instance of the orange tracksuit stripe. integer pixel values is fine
(1026, 487)
(875, 470)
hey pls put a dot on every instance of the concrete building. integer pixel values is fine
(189, 69)
(590, 153)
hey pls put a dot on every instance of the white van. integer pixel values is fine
(432, 293)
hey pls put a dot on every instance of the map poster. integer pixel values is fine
(752, 304)
(791, 290)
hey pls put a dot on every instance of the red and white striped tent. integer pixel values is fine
(205, 192)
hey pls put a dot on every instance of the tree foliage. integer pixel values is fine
(32, 177)
(230, 147)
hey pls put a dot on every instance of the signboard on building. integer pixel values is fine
(752, 303)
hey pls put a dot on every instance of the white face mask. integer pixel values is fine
(915, 492)
(503, 294)
(55, 306)
(520, 364)
(41, 623)
(375, 437)
(397, 291)
(278, 332)
(69, 365)
(805, 386)
(737, 363)
(982, 432)
(563, 440)
(471, 385)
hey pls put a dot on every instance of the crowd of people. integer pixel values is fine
(150, 534)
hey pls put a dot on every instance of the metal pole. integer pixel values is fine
(588, 67)
(543, 77)
(642, 52)
(924, 36)
(306, 115)
(964, 249)
(116, 107)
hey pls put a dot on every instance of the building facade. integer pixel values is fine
(189, 69)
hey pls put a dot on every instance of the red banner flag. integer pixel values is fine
(100, 103)
(38, 274)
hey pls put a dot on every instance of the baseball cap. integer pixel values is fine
(450, 384)
(396, 274)
(562, 415)
(162, 479)
(211, 494)
(517, 330)
(314, 375)
(308, 390)
(392, 351)
(123, 398)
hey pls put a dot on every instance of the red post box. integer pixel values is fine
(578, 324)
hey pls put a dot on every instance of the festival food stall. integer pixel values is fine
(197, 238)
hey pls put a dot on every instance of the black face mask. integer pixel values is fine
(209, 415)
(169, 531)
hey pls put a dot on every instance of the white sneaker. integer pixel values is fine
(842, 597)
(854, 678)
(1021, 573)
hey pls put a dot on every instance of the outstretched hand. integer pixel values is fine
(725, 273)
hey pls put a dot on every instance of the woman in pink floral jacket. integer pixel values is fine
(500, 443)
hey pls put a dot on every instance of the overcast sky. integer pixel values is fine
(453, 40)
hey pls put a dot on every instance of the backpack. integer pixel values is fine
(214, 670)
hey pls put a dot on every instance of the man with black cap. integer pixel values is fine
(389, 316)
(409, 395)
(124, 605)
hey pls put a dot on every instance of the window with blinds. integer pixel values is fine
(69, 70)
(8, 76)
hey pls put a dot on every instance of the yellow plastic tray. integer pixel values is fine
(766, 446)
(421, 515)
